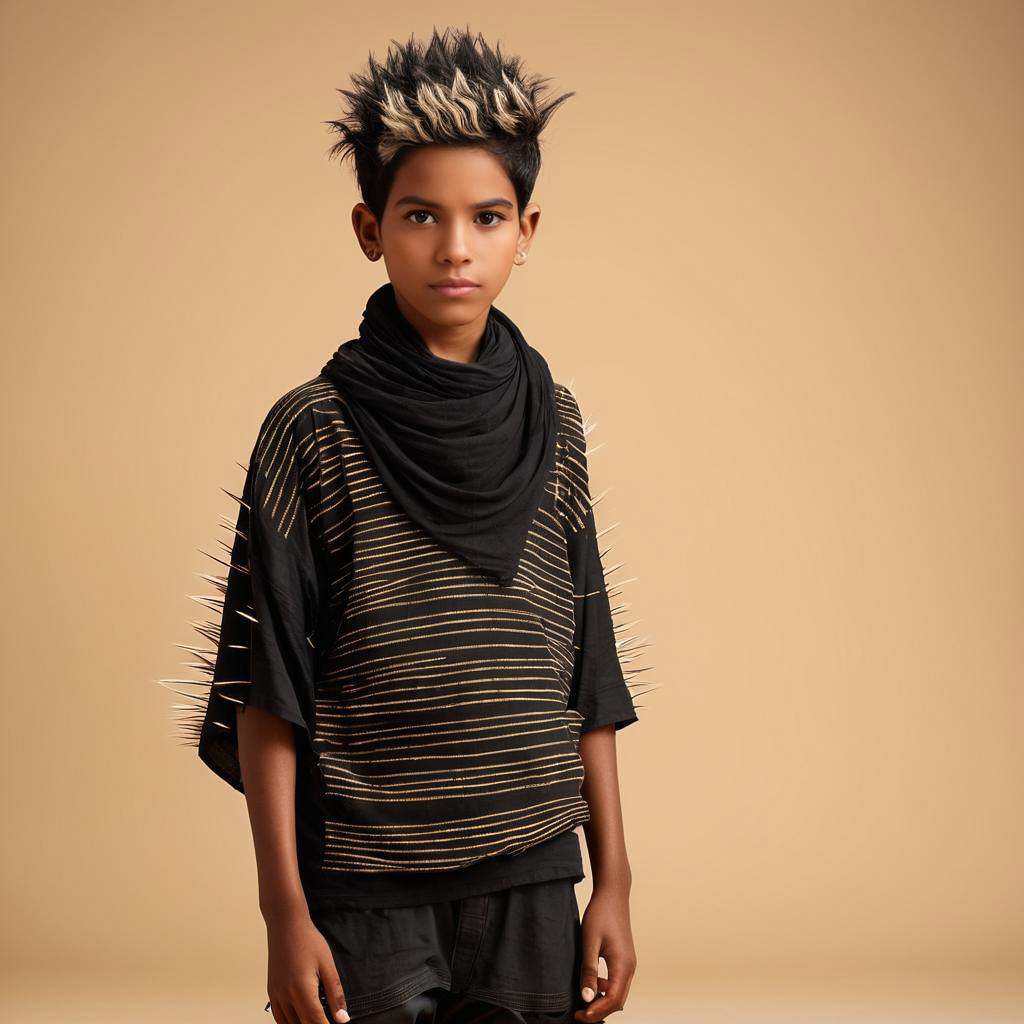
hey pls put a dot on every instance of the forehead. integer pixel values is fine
(452, 175)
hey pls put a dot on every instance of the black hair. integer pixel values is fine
(456, 91)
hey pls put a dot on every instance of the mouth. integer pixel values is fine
(454, 291)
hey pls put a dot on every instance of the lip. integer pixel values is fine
(454, 287)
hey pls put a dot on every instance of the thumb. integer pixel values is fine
(333, 992)
(588, 972)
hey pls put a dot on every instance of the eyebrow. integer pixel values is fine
(420, 201)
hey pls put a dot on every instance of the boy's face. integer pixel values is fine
(451, 213)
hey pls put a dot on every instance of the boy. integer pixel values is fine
(416, 670)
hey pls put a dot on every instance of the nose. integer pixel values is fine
(454, 247)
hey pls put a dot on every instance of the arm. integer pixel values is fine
(601, 694)
(607, 931)
(266, 749)
(298, 955)
(605, 834)
(271, 611)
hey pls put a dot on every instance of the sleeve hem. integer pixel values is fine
(620, 717)
(266, 702)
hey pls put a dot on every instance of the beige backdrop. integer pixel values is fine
(780, 256)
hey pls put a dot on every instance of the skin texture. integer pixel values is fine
(298, 955)
(449, 235)
(422, 243)
(607, 931)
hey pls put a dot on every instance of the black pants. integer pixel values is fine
(506, 957)
(439, 1006)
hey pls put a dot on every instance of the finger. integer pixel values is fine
(614, 988)
(337, 1007)
(630, 975)
(309, 1008)
(593, 1011)
(588, 969)
(621, 968)
(282, 1012)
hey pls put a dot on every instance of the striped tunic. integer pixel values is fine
(437, 713)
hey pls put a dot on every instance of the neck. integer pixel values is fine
(459, 343)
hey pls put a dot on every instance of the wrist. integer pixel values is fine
(283, 911)
(613, 884)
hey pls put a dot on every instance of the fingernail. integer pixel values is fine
(341, 1015)
(588, 993)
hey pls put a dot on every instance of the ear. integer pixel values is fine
(366, 227)
(528, 226)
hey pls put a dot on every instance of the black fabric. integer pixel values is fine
(464, 448)
(321, 568)
(557, 858)
(598, 690)
(518, 949)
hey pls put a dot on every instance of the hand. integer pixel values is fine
(606, 933)
(299, 960)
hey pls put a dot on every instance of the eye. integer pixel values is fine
(491, 213)
(486, 213)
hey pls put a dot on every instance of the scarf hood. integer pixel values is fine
(464, 448)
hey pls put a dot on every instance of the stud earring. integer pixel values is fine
(520, 257)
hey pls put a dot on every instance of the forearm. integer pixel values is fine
(266, 750)
(605, 834)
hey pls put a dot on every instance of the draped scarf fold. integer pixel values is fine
(465, 449)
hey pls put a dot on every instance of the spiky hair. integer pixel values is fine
(456, 90)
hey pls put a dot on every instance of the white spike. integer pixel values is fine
(629, 646)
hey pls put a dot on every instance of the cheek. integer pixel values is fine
(410, 241)
(411, 254)
(499, 247)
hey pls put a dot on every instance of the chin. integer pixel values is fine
(447, 317)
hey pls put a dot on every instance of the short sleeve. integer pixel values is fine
(599, 689)
(265, 648)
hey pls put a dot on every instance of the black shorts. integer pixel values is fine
(519, 949)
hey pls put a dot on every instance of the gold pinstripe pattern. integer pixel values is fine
(441, 727)
(445, 693)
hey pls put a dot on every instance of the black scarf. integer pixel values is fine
(464, 448)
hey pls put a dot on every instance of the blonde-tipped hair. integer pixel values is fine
(456, 90)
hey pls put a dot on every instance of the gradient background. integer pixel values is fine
(780, 257)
